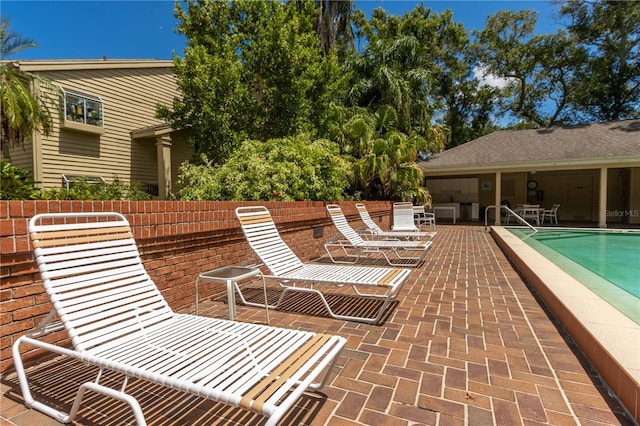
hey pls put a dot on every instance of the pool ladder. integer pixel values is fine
(511, 212)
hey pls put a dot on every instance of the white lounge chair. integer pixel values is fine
(404, 217)
(353, 246)
(118, 320)
(292, 274)
(374, 230)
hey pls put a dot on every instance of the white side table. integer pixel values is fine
(446, 208)
(231, 276)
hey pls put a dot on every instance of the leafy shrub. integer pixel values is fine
(286, 169)
(15, 183)
(82, 189)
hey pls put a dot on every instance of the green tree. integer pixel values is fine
(607, 84)
(449, 92)
(537, 68)
(279, 169)
(462, 104)
(387, 74)
(22, 110)
(469, 109)
(384, 158)
(251, 70)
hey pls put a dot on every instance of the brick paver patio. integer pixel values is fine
(467, 344)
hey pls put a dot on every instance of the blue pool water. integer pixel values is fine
(607, 262)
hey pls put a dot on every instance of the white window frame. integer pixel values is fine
(85, 113)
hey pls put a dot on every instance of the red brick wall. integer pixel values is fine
(177, 240)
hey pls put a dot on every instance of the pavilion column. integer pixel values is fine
(163, 149)
(602, 208)
(498, 196)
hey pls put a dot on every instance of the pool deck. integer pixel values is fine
(467, 344)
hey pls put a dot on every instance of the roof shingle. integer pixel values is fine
(597, 141)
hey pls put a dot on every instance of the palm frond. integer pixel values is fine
(10, 42)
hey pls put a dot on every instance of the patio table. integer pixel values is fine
(530, 212)
(231, 276)
(446, 208)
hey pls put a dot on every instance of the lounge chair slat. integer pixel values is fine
(117, 319)
(395, 252)
(294, 275)
(372, 229)
(97, 282)
(255, 399)
(53, 238)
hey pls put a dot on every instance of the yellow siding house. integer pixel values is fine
(104, 125)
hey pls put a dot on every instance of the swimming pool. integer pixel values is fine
(606, 262)
(589, 308)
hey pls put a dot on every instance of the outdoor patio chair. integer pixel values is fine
(518, 210)
(354, 247)
(423, 217)
(118, 320)
(507, 216)
(551, 213)
(374, 230)
(531, 212)
(403, 217)
(295, 276)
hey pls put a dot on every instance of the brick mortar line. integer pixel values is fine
(533, 331)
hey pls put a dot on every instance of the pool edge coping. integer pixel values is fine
(614, 294)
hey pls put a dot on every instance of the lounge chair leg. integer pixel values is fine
(29, 401)
(61, 416)
(403, 260)
(366, 320)
(357, 257)
(121, 396)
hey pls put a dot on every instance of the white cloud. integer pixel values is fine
(488, 79)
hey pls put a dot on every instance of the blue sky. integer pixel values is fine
(144, 29)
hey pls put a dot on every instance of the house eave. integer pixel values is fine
(573, 164)
(90, 64)
(151, 131)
